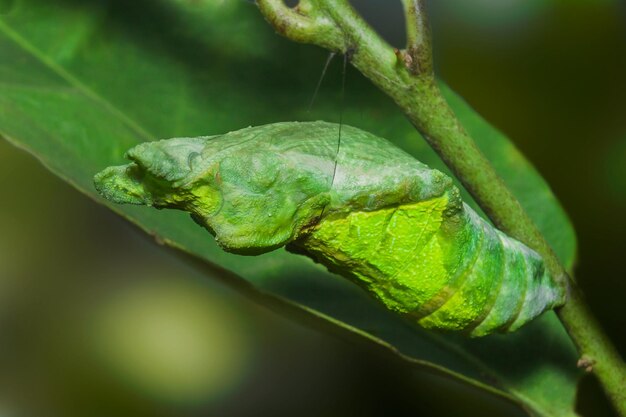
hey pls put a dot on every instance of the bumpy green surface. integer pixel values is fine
(371, 213)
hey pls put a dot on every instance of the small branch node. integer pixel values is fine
(404, 58)
(586, 362)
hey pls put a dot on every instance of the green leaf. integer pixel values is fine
(82, 81)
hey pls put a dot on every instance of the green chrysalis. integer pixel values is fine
(370, 212)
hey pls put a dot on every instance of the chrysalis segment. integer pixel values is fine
(367, 211)
(473, 298)
(541, 289)
(511, 295)
(460, 240)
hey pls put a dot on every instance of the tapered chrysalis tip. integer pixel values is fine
(119, 185)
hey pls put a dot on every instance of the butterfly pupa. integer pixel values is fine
(385, 221)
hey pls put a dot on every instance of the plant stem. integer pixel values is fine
(407, 77)
(418, 36)
(597, 354)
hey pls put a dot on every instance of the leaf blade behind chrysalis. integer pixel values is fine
(121, 73)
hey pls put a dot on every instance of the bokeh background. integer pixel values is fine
(98, 320)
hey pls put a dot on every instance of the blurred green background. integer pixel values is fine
(98, 320)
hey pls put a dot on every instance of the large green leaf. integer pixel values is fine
(82, 81)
